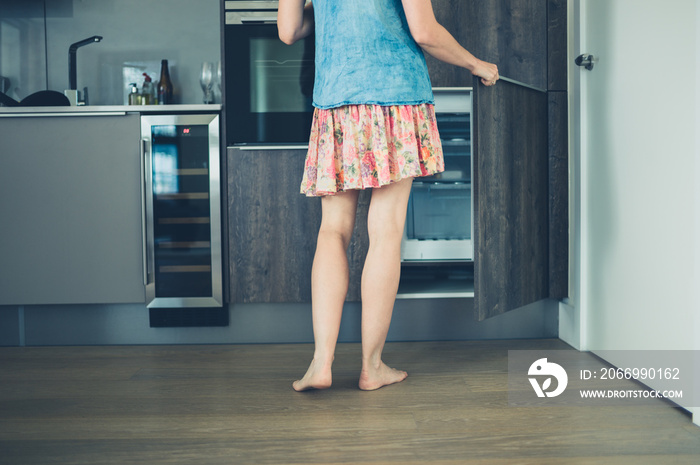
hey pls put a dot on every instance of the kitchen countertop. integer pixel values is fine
(100, 109)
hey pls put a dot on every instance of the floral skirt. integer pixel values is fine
(361, 146)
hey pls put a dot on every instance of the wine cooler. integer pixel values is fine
(182, 212)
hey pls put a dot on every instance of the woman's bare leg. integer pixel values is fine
(380, 280)
(329, 285)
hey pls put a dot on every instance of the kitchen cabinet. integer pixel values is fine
(272, 228)
(527, 39)
(71, 209)
(510, 33)
(520, 175)
(511, 208)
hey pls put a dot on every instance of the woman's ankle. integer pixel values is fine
(323, 360)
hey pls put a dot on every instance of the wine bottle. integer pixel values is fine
(165, 86)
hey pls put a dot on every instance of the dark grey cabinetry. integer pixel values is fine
(520, 172)
(511, 243)
(511, 33)
(527, 39)
(71, 210)
(272, 228)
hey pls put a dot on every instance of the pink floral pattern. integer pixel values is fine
(361, 146)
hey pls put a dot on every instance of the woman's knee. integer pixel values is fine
(387, 211)
(336, 230)
(386, 229)
(338, 215)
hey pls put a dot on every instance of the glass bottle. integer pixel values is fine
(147, 91)
(165, 86)
(134, 96)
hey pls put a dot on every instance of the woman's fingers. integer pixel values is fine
(488, 73)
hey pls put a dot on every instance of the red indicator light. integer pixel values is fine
(186, 131)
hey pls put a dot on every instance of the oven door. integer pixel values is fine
(269, 85)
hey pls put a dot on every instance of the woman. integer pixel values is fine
(374, 127)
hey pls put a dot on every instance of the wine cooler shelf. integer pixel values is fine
(182, 212)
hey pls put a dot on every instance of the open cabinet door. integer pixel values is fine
(510, 182)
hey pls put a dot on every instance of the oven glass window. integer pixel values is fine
(277, 77)
(269, 86)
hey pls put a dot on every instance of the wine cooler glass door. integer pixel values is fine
(182, 210)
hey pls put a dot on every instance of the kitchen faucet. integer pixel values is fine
(72, 92)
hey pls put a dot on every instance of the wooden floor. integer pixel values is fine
(234, 405)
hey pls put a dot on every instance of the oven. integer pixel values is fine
(439, 223)
(269, 85)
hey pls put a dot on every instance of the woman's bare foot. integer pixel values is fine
(373, 378)
(318, 376)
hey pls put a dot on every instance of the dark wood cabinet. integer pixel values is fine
(272, 228)
(520, 173)
(510, 33)
(521, 223)
(511, 204)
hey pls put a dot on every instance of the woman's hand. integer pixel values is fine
(294, 20)
(488, 72)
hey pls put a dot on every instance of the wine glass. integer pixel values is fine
(206, 79)
(218, 76)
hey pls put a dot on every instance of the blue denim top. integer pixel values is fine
(365, 54)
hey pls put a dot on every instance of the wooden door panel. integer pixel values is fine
(272, 229)
(510, 197)
(510, 33)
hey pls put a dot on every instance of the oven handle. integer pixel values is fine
(443, 185)
(270, 147)
(259, 20)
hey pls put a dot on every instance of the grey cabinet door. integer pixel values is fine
(71, 210)
(511, 178)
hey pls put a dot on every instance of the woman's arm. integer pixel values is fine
(294, 20)
(438, 42)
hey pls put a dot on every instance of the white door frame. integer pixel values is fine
(572, 328)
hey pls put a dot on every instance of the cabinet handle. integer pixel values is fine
(144, 224)
(521, 84)
(67, 113)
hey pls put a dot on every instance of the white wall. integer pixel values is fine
(639, 193)
(635, 177)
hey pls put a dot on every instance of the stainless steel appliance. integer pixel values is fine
(182, 212)
(269, 84)
(439, 217)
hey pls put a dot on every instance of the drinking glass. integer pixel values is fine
(206, 79)
(218, 76)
